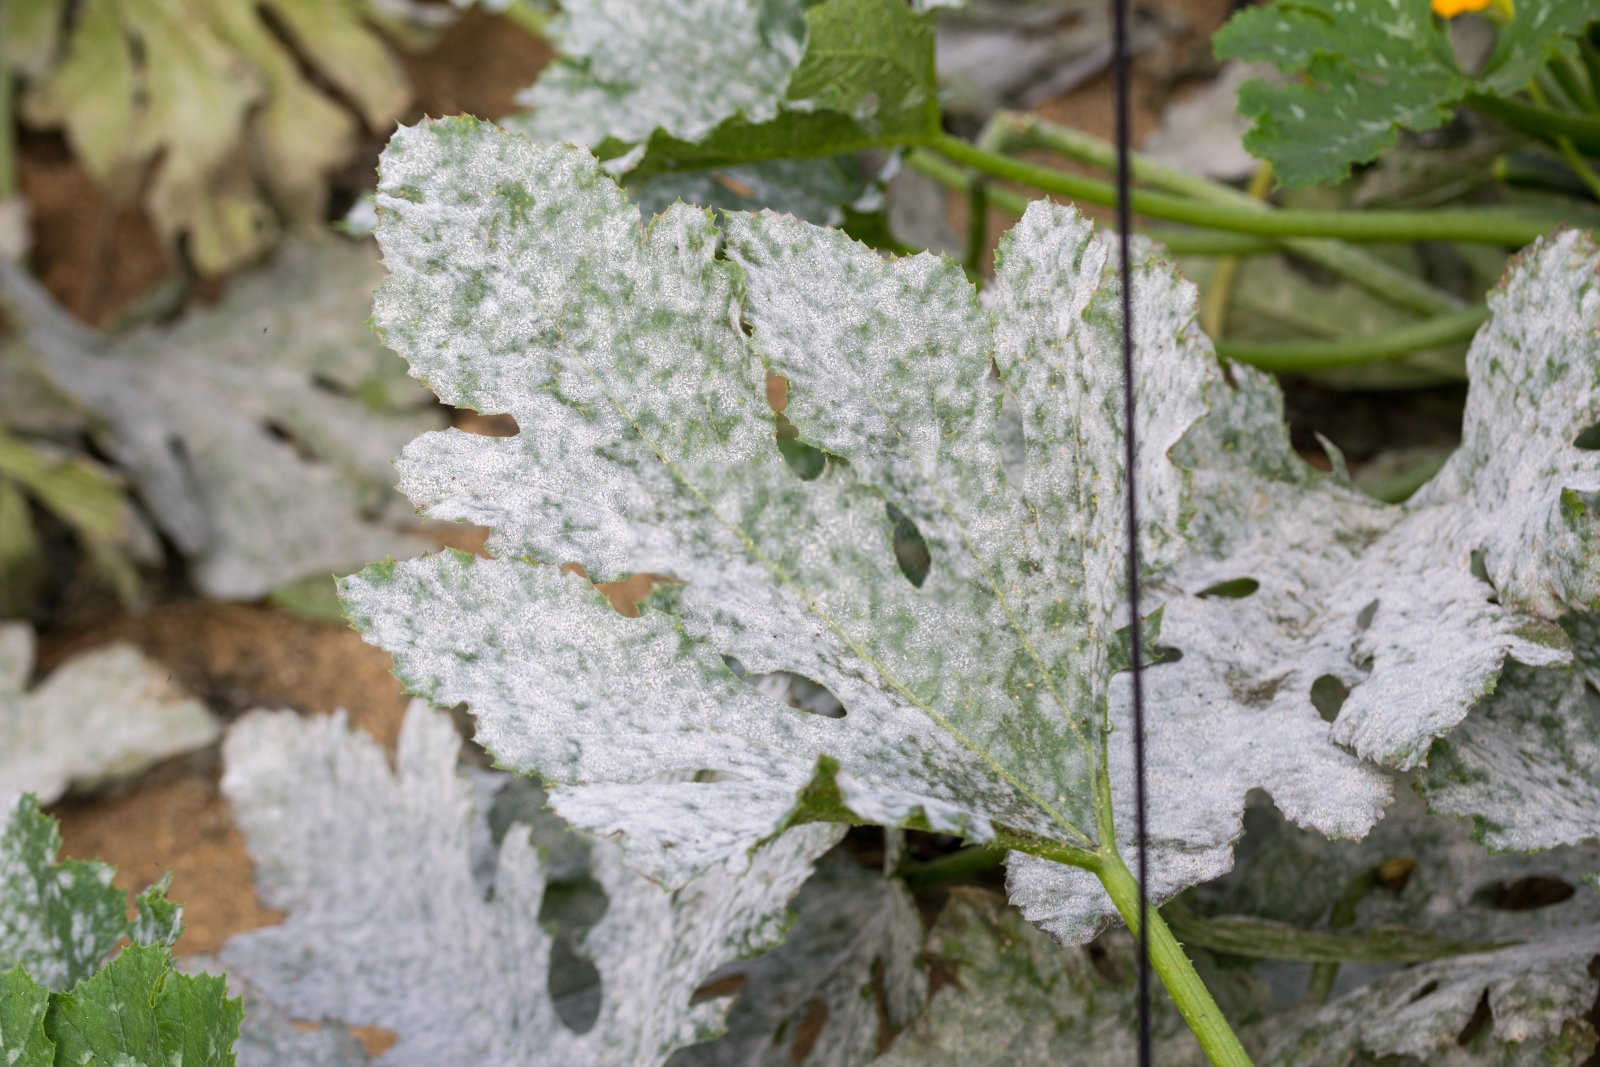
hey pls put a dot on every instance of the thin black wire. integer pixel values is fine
(1119, 74)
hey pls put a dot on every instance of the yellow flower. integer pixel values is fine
(1451, 8)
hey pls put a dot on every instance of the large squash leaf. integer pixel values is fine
(976, 700)
(387, 925)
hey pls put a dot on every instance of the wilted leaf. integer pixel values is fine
(210, 97)
(847, 972)
(1373, 67)
(388, 927)
(258, 432)
(106, 714)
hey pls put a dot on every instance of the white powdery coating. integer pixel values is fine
(634, 361)
(387, 927)
(1528, 498)
(1534, 993)
(635, 66)
(105, 714)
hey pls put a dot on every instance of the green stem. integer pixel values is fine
(977, 223)
(1541, 123)
(1178, 242)
(963, 863)
(8, 133)
(1177, 973)
(1363, 269)
(1241, 935)
(1475, 225)
(1569, 152)
(1309, 356)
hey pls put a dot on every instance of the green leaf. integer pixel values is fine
(106, 714)
(137, 1009)
(22, 1006)
(793, 81)
(59, 921)
(1374, 67)
(390, 925)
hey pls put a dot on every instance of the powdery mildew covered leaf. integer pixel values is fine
(646, 445)
(59, 921)
(259, 432)
(105, 714)
(1525, 764)
(1300, 596)
(848, 969)
(1529, 1004)
(388, 927)
(1375, 67)
(635, 360)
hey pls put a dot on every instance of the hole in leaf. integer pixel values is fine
(1480, 1021)
(1104, 964)
(1366, 615)
(570, 909)
(1426, 989)
(1588, 438)
(910, 550)
(1478, 565)
(1328, 696)
(1232, 589)
(795, 690)
(469, 421)
(1525, 894)
(727, 985)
